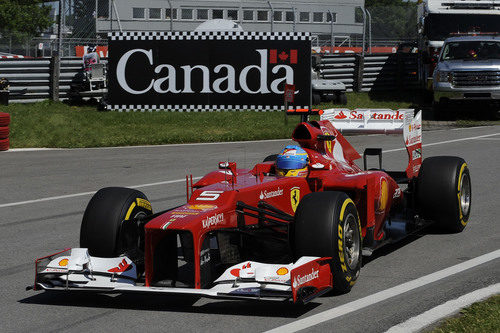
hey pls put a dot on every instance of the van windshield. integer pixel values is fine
(442, 26)
(471, 50)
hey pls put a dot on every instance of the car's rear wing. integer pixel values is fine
(383, 121)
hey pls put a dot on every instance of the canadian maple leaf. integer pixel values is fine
(283, 56)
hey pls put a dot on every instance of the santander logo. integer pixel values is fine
(340, 115)
(271, 194)
(300, 280)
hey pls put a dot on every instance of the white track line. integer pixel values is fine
(18, 150)
(383, 295)
(444, 310)
(14, 150)
(181, 180)
(88, 193)
(444, 142)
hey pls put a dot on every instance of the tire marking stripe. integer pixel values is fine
(464, 223)
(385, 294)
(344, 205)
(130, 209)
(417, 323)
(183, 180)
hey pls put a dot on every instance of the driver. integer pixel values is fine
(292, 162)
(472, 53)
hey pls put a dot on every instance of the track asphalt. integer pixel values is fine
(33, 228)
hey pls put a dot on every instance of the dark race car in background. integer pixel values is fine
(252, 234)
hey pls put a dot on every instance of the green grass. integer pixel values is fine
(479, 317)
(48, 124)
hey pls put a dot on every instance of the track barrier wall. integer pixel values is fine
(31, 78)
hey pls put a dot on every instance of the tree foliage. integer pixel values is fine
(23, 18)
(393, 18)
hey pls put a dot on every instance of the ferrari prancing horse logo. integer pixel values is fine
(328, 143)
(295, 197)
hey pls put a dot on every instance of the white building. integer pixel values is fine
(320, 17)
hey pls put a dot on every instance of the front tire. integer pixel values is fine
(327, 225)
(444, 192)
(105, 231)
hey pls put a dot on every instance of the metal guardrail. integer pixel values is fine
(30, 78)
(371, 72)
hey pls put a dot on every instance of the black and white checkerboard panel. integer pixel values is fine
(200, 108)
(209, 35)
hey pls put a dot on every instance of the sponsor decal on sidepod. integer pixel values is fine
(300, 280)
(213, 220)
(271, 194)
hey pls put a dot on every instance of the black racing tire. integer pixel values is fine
(316, 99)
(270, 158)
(104, 230)
(341, 98)
(444, 192)
(327, 225)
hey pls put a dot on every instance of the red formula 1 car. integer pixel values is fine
(260, 235)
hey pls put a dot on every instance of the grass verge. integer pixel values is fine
(479, 317)
(48, 124)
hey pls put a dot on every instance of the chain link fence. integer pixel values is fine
(78, 27)
(386, 26)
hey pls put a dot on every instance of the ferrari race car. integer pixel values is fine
(258, 234)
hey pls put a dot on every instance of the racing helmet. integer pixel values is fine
(292, 162)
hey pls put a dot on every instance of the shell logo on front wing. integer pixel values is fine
(282, 271)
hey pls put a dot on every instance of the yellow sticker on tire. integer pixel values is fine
(144, 204)
(459, 192)
(129, 211)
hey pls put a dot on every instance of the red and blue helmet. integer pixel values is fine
(292, 161)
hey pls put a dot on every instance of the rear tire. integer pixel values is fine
(327, 225)
(444, 192)
(341, 98)
(104, 229)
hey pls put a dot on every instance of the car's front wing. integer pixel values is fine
(75, 269)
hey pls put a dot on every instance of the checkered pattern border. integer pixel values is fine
(199, 108)
(208, 35)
